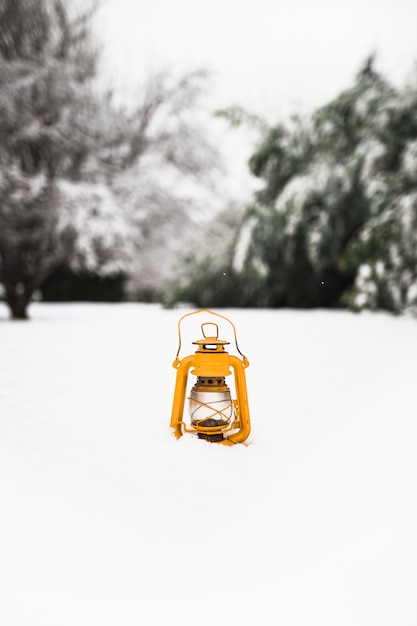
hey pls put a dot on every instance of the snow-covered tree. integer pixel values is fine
(204, 272)
(71, 159)
(167, 189)
(336, 221)
(48, 137)
(384, 253)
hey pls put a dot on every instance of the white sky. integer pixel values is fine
(275, 58)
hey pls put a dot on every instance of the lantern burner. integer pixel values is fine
(203, 381)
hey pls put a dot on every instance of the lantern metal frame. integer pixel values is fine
(211, 360)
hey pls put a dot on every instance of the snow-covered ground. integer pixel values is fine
(107, 520)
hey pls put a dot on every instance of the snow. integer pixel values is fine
(409, 160)
(243, 244)
(104, 241)
(107, 519)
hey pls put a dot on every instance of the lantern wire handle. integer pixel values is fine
(176, 362)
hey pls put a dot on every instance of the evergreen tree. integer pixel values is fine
(335, 223)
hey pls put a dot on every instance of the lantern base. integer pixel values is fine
(213, 438)
(212, 423)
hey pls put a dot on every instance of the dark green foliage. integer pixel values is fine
(65, 285)
(206, 287)
(335, 223)
(282, 155)
(205, 275)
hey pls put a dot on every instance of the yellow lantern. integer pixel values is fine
(213, 414)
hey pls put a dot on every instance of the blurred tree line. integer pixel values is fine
(335, 223)
(81, 184)
(95, 199)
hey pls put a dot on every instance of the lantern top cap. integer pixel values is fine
(212, 339)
